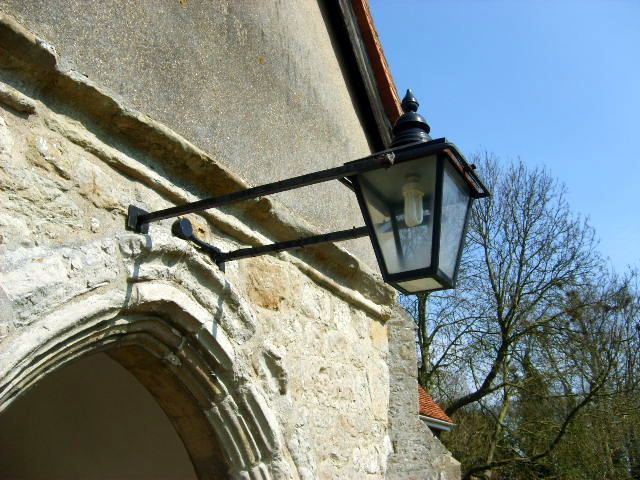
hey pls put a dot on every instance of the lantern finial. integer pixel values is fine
(409, 102)
(411, 127)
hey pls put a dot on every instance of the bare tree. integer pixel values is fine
(506, 343)
(524, 251)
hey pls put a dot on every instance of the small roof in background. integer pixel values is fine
(429, 408)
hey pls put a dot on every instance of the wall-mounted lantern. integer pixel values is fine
(415, 199)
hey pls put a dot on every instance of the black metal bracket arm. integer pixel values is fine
(183, 229)
(138, 219)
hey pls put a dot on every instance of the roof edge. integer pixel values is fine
(367, 72)
(437, 424)
(382, 72)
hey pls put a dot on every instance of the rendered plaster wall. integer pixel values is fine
(255, 83)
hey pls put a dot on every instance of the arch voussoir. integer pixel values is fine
(157, 330)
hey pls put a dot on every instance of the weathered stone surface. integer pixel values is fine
(173, 157)
(319, 360)
(15, 100)
(6, 314)
(416, 453)
(268, 283)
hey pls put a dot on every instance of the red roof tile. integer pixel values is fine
(430, 408)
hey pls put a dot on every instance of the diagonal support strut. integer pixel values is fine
(183, 229)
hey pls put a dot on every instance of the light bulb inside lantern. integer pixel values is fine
(413, 213)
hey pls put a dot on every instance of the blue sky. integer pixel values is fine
(556, 83)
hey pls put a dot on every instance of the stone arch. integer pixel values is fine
(175, 348)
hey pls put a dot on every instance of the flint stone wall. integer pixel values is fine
(303, 339)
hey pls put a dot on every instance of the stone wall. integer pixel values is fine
(317, 358)
(291, 365)
(417, 453)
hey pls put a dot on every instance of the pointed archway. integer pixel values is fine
(169, 344)
(164, 317)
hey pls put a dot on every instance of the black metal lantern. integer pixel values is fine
(415, 199)
(417, 210)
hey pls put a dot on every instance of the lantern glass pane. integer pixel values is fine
(400, 203)
(455, 202)
(420, 285)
